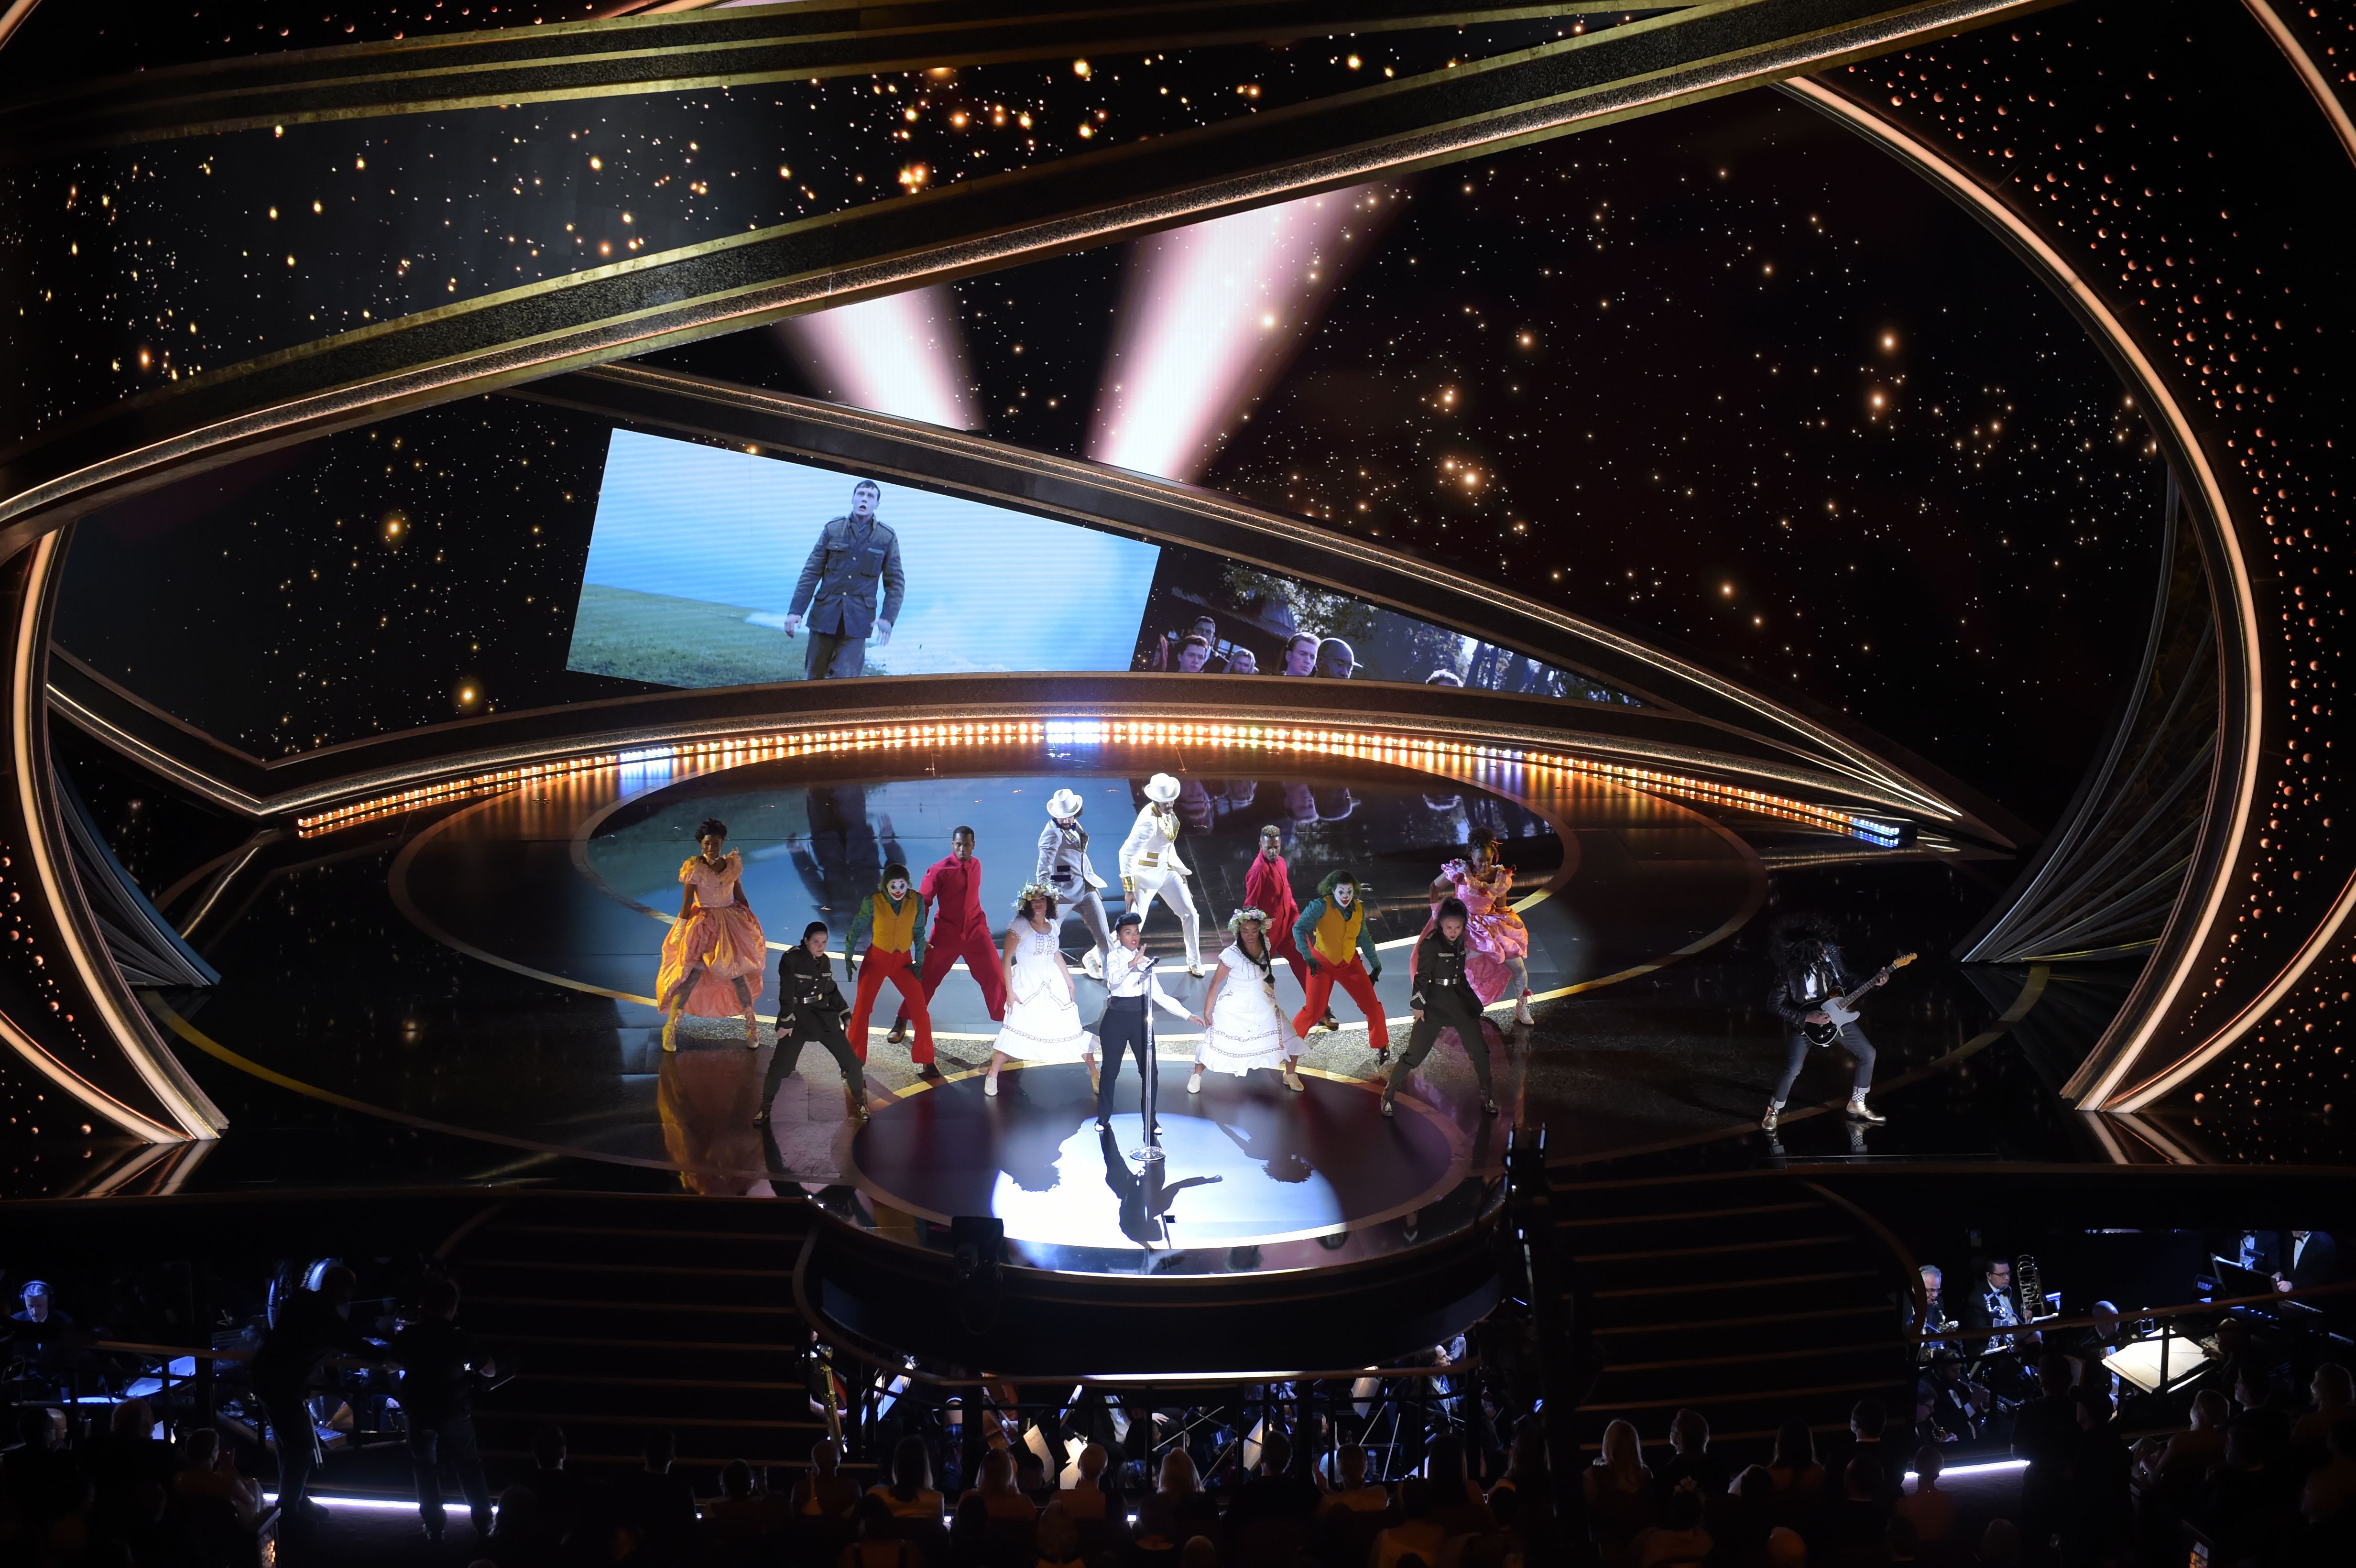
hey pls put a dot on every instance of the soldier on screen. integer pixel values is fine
(836, 594)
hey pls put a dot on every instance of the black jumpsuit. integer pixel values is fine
(810, 1011)
(1446, 1000)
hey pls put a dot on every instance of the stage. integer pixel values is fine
(482, 973)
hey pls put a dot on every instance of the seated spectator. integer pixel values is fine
(1001, 1499)
(209, 1474)
(2099, 1516)
(1521, 1501)
(1059, 1538)
(518, 1539)
(128, 1454)
(2332, 1487)
(561, 1494)
(1855, 1525)
(1867, 1421)
(1678, 1541)
(2329, 1388)
(2000, 1544)
(1457, 1506)
(1415, 1535)
(1691, 1465)
(1799, 1479)
(2191, 1453)
(1271, 1521)
(1899, 1542)
(1177, 1509)
(823, 1492)
(737, 1515)
(1351, 1489)
(1083, 1500)
(658, 1506)
(909, 1494)
(1619, 1489)
(1785, 1549)
(1741, 1520)
(1929, 1510)
(2241, 1507)
(1200, 1551)
(874, 1545)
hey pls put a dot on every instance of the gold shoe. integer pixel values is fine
(670, 1033)
(1292, 1079)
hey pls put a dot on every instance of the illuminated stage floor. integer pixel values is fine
(464, 995)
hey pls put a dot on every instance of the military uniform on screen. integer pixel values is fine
(837, 593)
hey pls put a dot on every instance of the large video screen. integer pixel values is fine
(712, 567)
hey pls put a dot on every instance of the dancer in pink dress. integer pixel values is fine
(713, 958)
(1497, 944)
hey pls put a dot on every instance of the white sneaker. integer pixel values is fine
(1194, 1082)
(989, 1085)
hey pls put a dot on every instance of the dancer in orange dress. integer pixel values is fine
(715, 956)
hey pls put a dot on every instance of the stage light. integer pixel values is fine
(1199, 331)
(901, 355)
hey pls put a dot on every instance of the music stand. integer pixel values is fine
(2158, 1363)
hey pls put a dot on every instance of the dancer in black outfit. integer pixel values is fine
(810, 1010)
(1443, 998)
(1808, 972)
(1130, 985)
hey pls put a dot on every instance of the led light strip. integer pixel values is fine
(1436, 755)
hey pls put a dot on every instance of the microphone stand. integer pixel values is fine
(1152, 1063)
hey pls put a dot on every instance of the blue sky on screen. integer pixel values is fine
(988, 588)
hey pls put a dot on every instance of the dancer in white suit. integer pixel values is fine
(1149, 865)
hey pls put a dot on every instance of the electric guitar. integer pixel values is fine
(1842, 1010)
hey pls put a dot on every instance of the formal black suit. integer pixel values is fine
(2316, 1263)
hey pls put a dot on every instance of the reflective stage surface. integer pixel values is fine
(464, 994)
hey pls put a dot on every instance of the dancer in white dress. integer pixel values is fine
(1247, 1029)
(1043, 1020)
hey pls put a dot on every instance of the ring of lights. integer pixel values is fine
(2207, 990)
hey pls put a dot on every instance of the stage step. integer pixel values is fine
(625, 1316)
(1751, 1307)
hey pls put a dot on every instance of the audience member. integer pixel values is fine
(2189, 1455)
(1200, 1552)
(1059, 1538)
(1415, 1535)
(311, 1324)
(658, 1506)
(1351, 1489)
(1523, 1501)
(1457, 1506)
(737, 1516)
(1678, 1541)
(1691, 1465)
(2000, 1544)
(1271, 1521)
(128, 1455)
(909, 1494)
(39, 1473)
(2332, 1488)
(209, 1473)
(2246, 1506)
(1785, 1549)
(1619, 1489)
(1868, 1421)
(1742, 1518)
(2329, 1388)
(1085, 1502)
(1001, 1499)
(874, 1545)
(1854, 1525)
(1930, 1509)
(823, 1492)
(1899, 1545)
(1799, 1479)
(1177, 1509)
(562, 1497)
(438, 1360)
(2045, 1433)
(519, 1539)
(2100, 1515)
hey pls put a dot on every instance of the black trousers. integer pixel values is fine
(1445, 1007)
(1125, 1027)
(834, 658)
(449, 1440)
(823, 1030)
(1851, 1039)
(290, 1422)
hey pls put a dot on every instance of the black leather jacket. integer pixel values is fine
(1791, 998)
(1439, 968)
(805, 985)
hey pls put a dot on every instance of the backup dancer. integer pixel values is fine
(809, 1012)
(1268, 885)
(952, 890)
(1247, 1030)
(1495, 938)
(714, 957)
(1065, 871)
(1043, 1020)
(1150, 866)
(892, 919)
(1129, 986)
(1444, 999)
(1331, 932)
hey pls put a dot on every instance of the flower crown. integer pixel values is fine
(1236, 920)
(1033, 891)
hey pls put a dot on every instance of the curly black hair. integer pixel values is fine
(710, 827)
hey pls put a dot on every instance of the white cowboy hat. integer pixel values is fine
(1162, 789)
(1064, 805)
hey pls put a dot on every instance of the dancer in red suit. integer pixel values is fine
(1268, 887)
(952, 886)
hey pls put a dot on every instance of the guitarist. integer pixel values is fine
(1809, 971)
